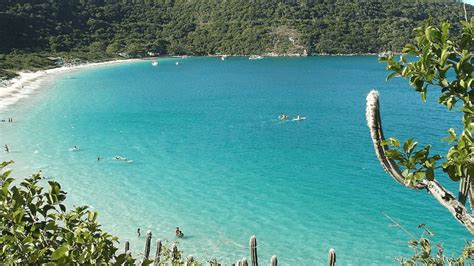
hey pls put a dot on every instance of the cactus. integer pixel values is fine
(439, 192)
(253, 250)
(127, 246)
(147, 244)
(273, 261)
(174, 252)
(332, 257)
(190, 260)
(158, 253)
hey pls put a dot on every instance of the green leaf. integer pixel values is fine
(419, 175)
(393, 154)
(409, 146)
(54, 187)
(423, 95)
(433, 35)
(450, 103)
(147, 262)
(410, 49)
(120, 259)
(430, 174)
(92, 216)
(394, 74)
(59, 252)
(444, 57)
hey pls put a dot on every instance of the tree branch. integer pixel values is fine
(444, 197)
(375, 125)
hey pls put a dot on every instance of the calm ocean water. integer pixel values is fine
(210, 156)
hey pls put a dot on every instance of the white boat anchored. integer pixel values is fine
(384, 54)
(154, 63)
(255, 57)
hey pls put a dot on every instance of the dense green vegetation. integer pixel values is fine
(96, 29)
(36, 229)
(214, 26)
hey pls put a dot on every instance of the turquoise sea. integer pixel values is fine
(210, 156)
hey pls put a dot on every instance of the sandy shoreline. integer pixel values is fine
(13, 90)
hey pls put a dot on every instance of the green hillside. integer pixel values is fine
(199, 27)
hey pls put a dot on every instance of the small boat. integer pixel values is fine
(384, 54)
(177, 63)
(224, 57)
(255, 57)
(154, 63)
(298, 118)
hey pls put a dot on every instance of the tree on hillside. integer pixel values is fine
(435, 60)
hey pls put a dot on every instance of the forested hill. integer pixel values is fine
(204, 27)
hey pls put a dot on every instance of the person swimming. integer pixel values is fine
(283, 117)
(179, 233)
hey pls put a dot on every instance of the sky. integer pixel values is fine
(471, 2)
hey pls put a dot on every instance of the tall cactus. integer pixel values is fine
(156, 261)
(174, 252)
(444, 197)
(253, 250)
(190, 261)
(332, 257)
(273, 261)
(147, 244)
(127, 246)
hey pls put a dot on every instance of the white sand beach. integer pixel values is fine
(22, 86)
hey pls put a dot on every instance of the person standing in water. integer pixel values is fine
(178, 232)
(6, 148)
(138, 232)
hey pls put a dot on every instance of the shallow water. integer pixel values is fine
(210, 156)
